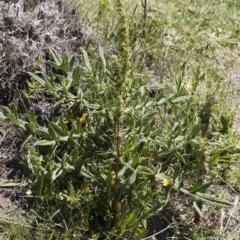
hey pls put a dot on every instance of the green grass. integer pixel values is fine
(154, 122)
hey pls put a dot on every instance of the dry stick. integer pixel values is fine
(144, 5)
(155, 234)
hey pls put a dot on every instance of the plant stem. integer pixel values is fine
(144, 5)
(205, 116)
(115, 202)
(122, 71)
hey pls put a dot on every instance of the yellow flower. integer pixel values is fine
(189, 85)
(109, 214)
(166, 182)
(84, 118)
(154, 50)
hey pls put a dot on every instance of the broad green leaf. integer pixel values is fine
(51, 132)
(84, 172)
(60, 101)
(44, 134)
(69, 82)
(195, 130)
(63, 127)
(87, 61)
(131, 147)
(131, 216)
(92, 106)
(30, 128)
(60, 77)
(3, 116)
(38, 79)
(56, 56)
(71, 62)
(122, 171)
(144, 170)
(58, 129)
(129, 109)
(11, 184)
(135, 64)
(64, 139)
(4, 110)
(156, 133)
(123, 213)
(180, 99)
(135, 160)
(45, 143)
(64, 65)
(138, 106)
(13, 118)
(140, 147)
(214, 201)
(180, 157)
(161, 101)
(127, 164)
(57, 172)
(141, 231)
(198, 187)
(195, 142)
(149, 104)
(102, 58)
(13, 110)
(132, 179)
(157, 207)
(142, 90)
(26, 141)
(197, 208)
(215, 159)
(179, 138)
(76, 74)
(53, 64)
(33, 119)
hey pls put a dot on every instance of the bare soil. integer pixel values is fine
(11, 170)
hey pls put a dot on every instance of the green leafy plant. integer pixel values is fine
(117, 146)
